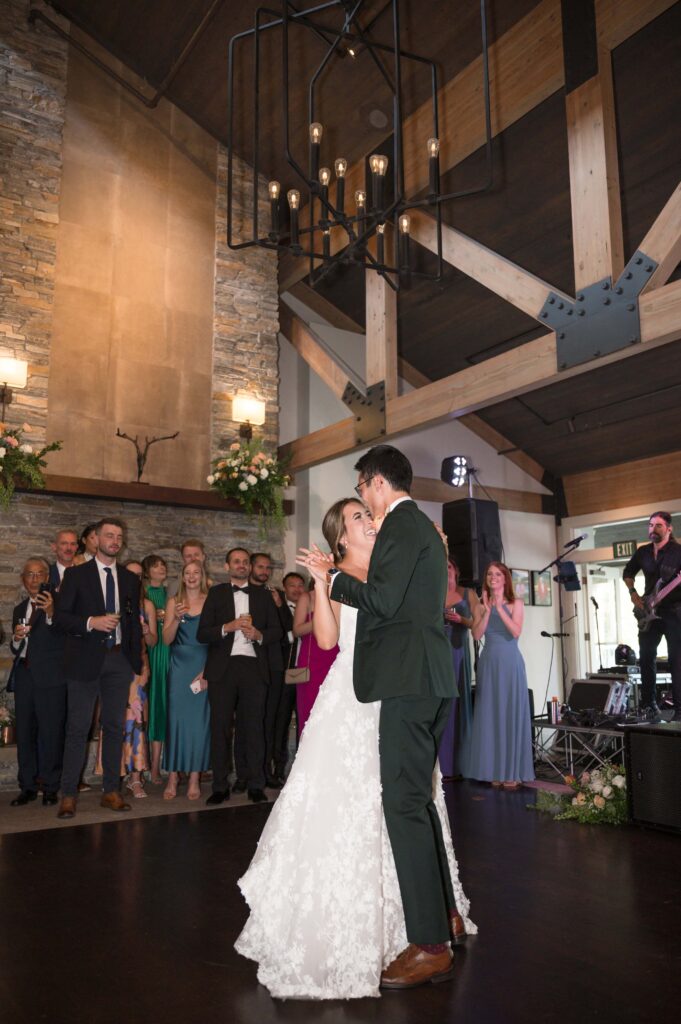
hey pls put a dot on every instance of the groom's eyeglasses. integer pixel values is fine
(361, 484)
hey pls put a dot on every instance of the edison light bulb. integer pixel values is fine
(360, 197)
(378, 164)
(405, 223)
(293, 196)
(433, 147)
(316, 132)
(274, 189)
(340, 167)
(324, 176)
(380, 228)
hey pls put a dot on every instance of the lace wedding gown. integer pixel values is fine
(326, 914)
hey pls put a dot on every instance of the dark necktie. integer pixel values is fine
(110, 603)
(239, 590)
(34, 614)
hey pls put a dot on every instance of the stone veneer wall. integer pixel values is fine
(33, 66)
(245, 340)
(34, 518)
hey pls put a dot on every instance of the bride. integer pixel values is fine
(325, 910)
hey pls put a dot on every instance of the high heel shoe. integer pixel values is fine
(137, 789)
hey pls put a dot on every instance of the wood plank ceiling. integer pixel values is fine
(607, 416)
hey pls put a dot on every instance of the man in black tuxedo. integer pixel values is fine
(39, 688)
(98, 609)
(261, 574)
(294, 587)
(238, 622)
(64, 545)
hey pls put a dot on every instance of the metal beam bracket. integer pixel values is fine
(368, 411)
(604, 317)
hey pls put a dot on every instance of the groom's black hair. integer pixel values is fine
(391, 463)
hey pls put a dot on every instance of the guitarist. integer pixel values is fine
(660, 561)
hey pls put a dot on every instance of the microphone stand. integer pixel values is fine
(598, 636)
(558, 562)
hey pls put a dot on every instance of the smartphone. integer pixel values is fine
(44, 588)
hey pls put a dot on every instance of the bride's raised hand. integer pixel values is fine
(315, 561)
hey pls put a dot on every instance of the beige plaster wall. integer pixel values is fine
(132, 333)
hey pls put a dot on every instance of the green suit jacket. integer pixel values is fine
(400, 647)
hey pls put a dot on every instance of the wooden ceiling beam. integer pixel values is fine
(429, 489)
(309, 348)
(518, 371)
(381, 334)
(506, 279)
(663, 241)
(323, 308)
(594, 178)
(652, 482)
(618, 20)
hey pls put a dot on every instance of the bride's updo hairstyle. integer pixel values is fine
(333, 527)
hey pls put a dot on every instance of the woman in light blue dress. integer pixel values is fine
(501, 743)
(461, 609)
(187, 746)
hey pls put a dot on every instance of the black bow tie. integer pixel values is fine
(239, 590)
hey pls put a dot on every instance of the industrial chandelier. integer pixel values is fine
(381, 202)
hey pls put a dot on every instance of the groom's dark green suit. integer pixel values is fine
(403, 659)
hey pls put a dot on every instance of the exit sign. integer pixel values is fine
(623, 548)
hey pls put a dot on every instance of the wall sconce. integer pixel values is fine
(13, 374)
(249, 412)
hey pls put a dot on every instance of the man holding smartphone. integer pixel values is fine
(39, 688)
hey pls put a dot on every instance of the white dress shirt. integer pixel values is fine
(102, 579)
(241, 646)
(393, 505)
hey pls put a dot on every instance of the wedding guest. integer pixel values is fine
(191, 550)
(39, 688)
(461, 606)
(98, 610)
(155, 576)
(64, 547)
(87, 545)
(294, 586)
(238, 622)
(187, 747)
(501, 741)
(261, 574)
(310, 656)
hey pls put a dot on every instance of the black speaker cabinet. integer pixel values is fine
(473, 536)
(653, 765)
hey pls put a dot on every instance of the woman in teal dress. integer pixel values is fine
(155, 575)
(187, 746)
(461, 609)
(501, 744)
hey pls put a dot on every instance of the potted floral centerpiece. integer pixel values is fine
(598, 797)
(20, 462)
(255, 478)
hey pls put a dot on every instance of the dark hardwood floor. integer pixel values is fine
(133, 922)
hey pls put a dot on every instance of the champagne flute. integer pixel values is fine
(249, 622)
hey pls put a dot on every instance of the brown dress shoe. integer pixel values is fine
(114, 802)
(457, 929)
(416, 967)
(67, 807)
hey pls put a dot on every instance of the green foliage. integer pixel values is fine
(598, 797)
(19, 463)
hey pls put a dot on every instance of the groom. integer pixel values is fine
(402, 659)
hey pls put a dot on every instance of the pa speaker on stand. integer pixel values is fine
(473, 537)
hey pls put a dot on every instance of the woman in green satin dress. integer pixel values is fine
(155, 575)
(187, 747)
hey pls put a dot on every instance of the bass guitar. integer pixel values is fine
(647, 614)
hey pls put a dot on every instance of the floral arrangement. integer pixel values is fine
(20, 461)
(256, 479)
(598, 797)
(6, 720)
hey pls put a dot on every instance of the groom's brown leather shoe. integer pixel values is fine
(114, 802)
(457, 929)
(416, 967)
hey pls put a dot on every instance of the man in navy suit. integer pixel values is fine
(238, 622)
(98, 610)
(64, 545)
(39, 688)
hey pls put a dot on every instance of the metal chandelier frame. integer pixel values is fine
(369, 221)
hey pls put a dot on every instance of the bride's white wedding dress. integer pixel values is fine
(326, 914)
